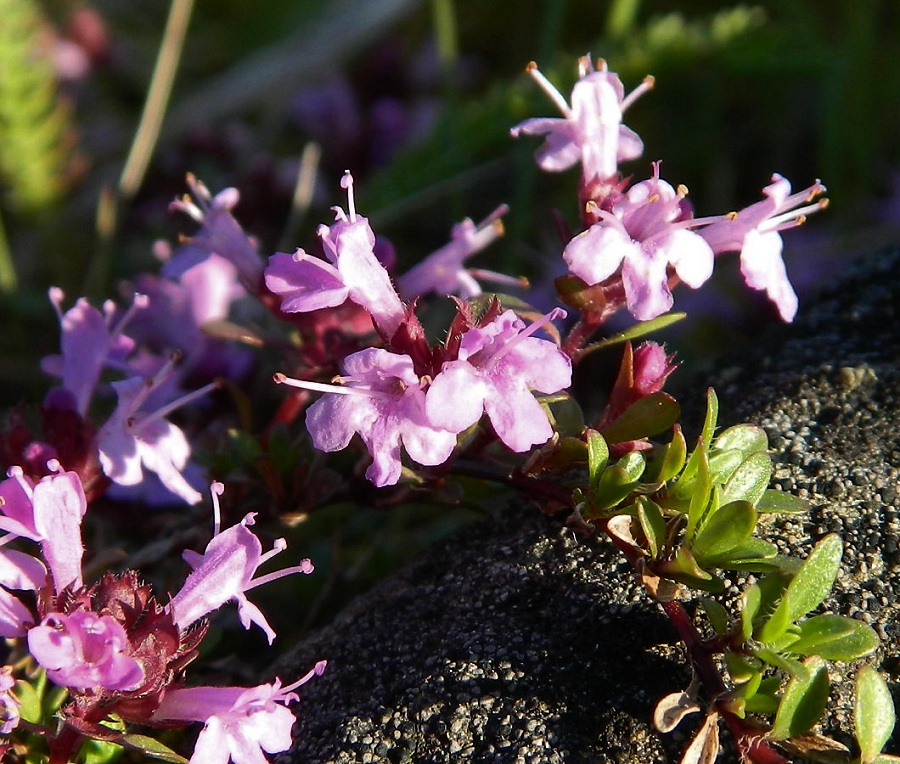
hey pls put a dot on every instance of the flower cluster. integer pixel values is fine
(117, 651)
(641, 240)
(491, 399)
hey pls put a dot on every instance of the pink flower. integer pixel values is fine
(21, 572)
(225, 571)
(382, 398)
(90, 341)
(497, 368)
(442, 271)
(133, 440)
(57, 504)
(240, 723)
(591, 130)
(645, 232)
(755, 233)
(220, 234)
(352, 272)
(84, 650)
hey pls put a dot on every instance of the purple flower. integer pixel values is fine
(57, 505)
(497, 368)
(220, 234)
(225, 571)
(9, 703)
(645, 232)
(21, 572)
(591, 130)
(89, 343)
(382, 398)
(84, 650)
(240, 723)
(754, 232)
(132, 439)
(352, 272)
(442, 271)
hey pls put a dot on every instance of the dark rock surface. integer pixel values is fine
(515, 642)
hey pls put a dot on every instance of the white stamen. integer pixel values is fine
(549, 88)
(347, 184)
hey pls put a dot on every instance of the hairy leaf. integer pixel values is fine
(873, 714)
(803, 702)
(813, 582)
(745, 438)
(598, 456)
(835, 638)
(750, 479)
(729, 527)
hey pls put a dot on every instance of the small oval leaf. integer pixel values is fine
(730, 526)
(782, 502)
(746, 438)
(750, 480)
(650, 415)
(813, 582)
(835, 638)
(652, 523)
(873, 714)
(803, 702)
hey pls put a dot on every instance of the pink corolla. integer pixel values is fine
(20, 572)
(444, 271)
(645, 232)
(90, 341)
(49, 512)
(133, 439)
(353, 272)
(591, 129)
(239, 723)
(382, 398)
(755, 233)
(84, 650)
(498, 367)
(220, 234)
(226, 571)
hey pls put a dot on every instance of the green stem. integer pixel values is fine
(144, 142)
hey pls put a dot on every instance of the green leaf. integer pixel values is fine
(746, 438)
(812, 583)
(835, 638)
(598, 456)
(717, 615)
(751, 601)
(635, 332)
(647, 416)
(565, 414)
(700, 489)
(741, 668)
(684, 568)
(151, 747)
(618, 481)
(775, 626)
(750, 479)
(669, 459)
(873, 714)
(29, 702)
(99, 752)
(722, 464)
(712, 416)
(729, 527)
(803, 701)
(652, 523)
(779, 501)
